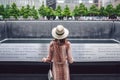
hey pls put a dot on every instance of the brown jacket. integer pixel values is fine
(60, 56)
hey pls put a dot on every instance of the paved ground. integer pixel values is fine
(44, 77)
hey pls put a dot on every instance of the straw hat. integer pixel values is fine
(60, 32)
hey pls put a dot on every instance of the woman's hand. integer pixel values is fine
(44, 60)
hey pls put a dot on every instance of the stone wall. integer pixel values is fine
(42, 29)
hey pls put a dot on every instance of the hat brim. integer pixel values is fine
(56, 36)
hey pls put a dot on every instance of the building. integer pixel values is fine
(20, 3)
(70, 3)
(116, 2)
(107, 2)
(73, 3)
(113, 2)
(51, 3)
(98, 3)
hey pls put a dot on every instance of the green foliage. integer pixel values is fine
(76, 11)
(1, 10)
(103, 12)
(118, 10)
(82, 10)
(27, 12)
(14, 11)
(93, 11)
(42, 10)
(34, 13)
(110, 10)
(7, 12)
(58, 11)
(22, 11)
(66, 11)
(52, 12)
(48, 11)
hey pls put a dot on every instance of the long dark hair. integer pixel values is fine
(61, 41)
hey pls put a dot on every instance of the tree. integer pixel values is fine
(7, 12)
(52, 13)
(14, 11)
(47, 12)
(102, 12)
(82, 10)
(110, 10)
(118, 10)
(42, 10)
(22, 11)
(75, 11)
(58, 11)
(93, 11)
(34, 13)
(2, 10)
(26, 11)
(66, 11)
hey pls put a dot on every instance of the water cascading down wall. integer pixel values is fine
(42, 29)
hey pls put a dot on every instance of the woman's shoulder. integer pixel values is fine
(68, 42)
(52, 42)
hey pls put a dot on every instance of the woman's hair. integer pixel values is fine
(60, 42)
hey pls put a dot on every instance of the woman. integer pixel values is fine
(60, 53)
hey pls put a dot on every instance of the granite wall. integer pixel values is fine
(42, 29)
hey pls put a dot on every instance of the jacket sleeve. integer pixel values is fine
(69, 53)
(50, 52)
